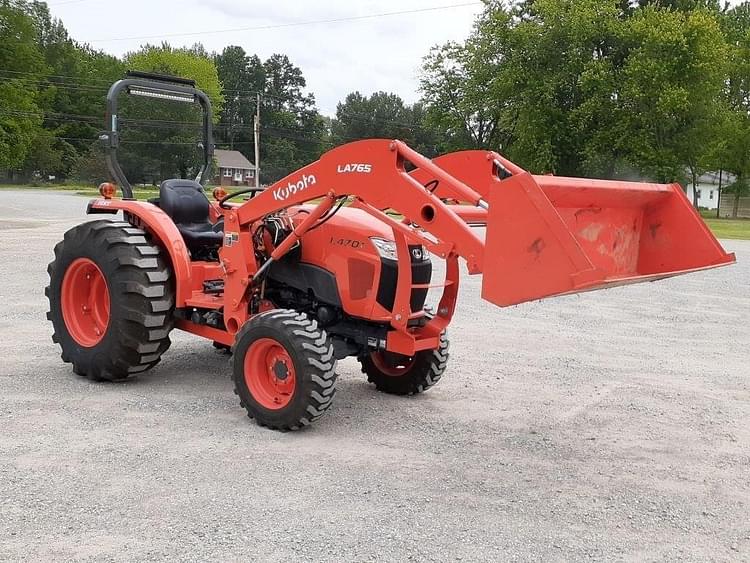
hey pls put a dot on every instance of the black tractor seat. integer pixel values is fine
(186, 203)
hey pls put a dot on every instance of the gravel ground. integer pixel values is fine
(612, 425)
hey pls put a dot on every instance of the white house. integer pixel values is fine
(708, 188)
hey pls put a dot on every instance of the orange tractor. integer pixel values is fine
(335, 260)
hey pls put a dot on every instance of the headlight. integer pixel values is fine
(386, 248)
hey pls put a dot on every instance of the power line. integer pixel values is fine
(101, 90)
(272, 132)
(44, 76)
(105, 84)
(122, 120)
(39, 80)
(44, 83)
(67, 2)
(52, 115)
(251, 96)
(365, 118)
(291, 24)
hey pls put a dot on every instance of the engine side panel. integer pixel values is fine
(343, 247)
(302, 276)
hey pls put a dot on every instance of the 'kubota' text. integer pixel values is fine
(280, 194)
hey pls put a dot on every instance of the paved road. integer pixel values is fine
(606, 426)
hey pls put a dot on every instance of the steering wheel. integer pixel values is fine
(226, 198)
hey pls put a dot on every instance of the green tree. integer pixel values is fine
(381, 115)
(558, 79)
(426, 139)
(585, 88)
(91, 166)
(161, 138)
(193, 63)
(66, 80)
(671, 83)
(293, 133)
(74, 93)
(386, 116)
(241, 76)
(682, 5)
(457, 98)
(528, 81)
(21, 64)
(732, 152)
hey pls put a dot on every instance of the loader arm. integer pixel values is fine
(373, 172)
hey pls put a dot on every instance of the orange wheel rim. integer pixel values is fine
(269, 373)
(394, 365)
(85, 302)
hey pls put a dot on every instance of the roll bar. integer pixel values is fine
(170, 88)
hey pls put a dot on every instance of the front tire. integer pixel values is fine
(111, 300)
(406, 375)
(284, 369)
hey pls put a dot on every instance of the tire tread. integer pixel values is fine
(313, 349)
(426, 373)
(142, 285)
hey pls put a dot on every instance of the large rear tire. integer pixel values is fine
(111, 300)
(406, 375)
(284, 369)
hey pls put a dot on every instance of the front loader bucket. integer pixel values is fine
(549, 235)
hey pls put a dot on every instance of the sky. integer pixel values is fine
(366, 55)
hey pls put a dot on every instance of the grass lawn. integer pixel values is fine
(726, 228)
(85, 190)
(729, 228)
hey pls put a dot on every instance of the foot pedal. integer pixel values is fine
(213, 287)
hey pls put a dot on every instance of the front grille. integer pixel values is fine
(421, 273)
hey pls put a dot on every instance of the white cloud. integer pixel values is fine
(336, 58)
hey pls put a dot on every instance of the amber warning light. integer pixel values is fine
(219, 193)
(107, 190)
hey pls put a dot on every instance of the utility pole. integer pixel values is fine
(718, 197)
(233, 121)
(256, 129)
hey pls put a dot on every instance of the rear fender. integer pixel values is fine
(152, 219)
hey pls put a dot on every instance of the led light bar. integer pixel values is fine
(148, 93)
